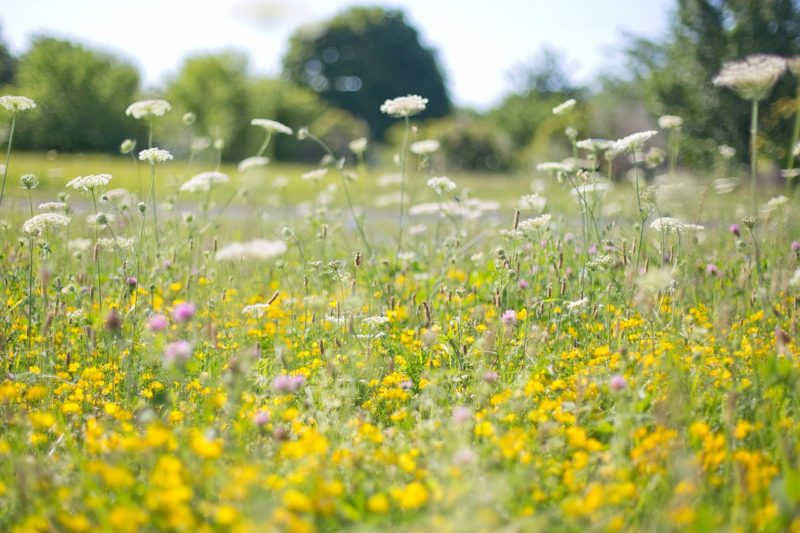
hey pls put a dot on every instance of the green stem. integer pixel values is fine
(153, 199)
(8, 156)
(402, 188)
(30, 295)
(754, 154)
(96, 253)
(264, 145)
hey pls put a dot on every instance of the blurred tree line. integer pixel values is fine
(337, 74)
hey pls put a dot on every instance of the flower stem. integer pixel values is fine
(8, 156)
(754, 155)
(401, 220)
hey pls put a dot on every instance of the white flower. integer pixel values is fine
(554, 166)
(633, 141)
(790, 173)
(384, 180)
(252, 162)
(667, 122)
(774, 204)
(199, 144)
(121, 242)
(577, 304)
(358, 146)
(154, 155)
(37, 224)
(271, 126)
(670, 224)
(440, 184)
(425, 147)
(795, 281)
(375, 320)
(562, 108)
(726, 151)
(532, 201)
(314, 175)
(255, 249)
(796, 150)
(753, 77)
(52, 206)
(103, 219)
(533, 224)
(89, 183)
(599, 188)
(148, 108)
(594, 145)
(202, 182)
(723, 185)
(255, 309)
(404, 106)
(15, 104)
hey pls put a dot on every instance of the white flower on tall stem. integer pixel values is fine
(148, 108)
(441, 184)
(564, 107)
(14, 105)
(203, 181)
(404, 106)
(37, 224)
(425, 147)
(271, 127)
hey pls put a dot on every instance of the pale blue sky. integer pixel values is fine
(478, 41)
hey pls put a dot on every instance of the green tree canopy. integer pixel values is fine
(362, 57)
(216, 88)
(676, 74)
(81, 95)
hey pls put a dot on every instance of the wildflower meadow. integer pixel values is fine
(593, 352)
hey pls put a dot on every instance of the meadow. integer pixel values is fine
(189, 346)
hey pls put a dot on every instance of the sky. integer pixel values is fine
(478, 42)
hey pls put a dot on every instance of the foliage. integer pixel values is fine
(676, 74)
(362, 56)
(471, 143)
(80, 90)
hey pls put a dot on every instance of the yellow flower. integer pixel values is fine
(206, 448)
(296, 501)
(411, 497)
(378, 503)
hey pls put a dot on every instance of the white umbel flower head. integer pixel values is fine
(753, 77)
(594, 145)
(252, 162)
(271, 126)
(148, 108)
(564, 107)
(726, 151)
(425, 147)
(554, 166)
(314, 175)
(89, 183)
(358, 146)
(673, 225)
(256, 249)
(37, 224)
(441, 184)
(404, 106)
(532, 201)
(155, 155)
(634, 141)
(52, 206)
(670, 122)
(14, 104)
(202, 182)
(534, 224)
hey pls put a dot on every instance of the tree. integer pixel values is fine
(676, 75)
(215, 88)
(81, 96)
(7, 65)
(362, 57)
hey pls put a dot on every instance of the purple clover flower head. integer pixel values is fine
(132, 282)
(261, 418)
(592, 249)
(712, 270)
(177, 352)
(490, 376)
(406, 384)
(157, 322)
(183, 312)
(735, 229)
(286, 384)
(795, 246)
(617, 383)
(509, 318)
(461, 414)
(523, 284)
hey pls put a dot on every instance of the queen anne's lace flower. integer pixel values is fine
(404, 106)
(89, 183)
(633, 141)
(753, 77)
(358, 146)
(155, 155)
(256, 249)
(560, 109)
(37, 224)
(669, 122)
(252, 162)
(314, 175)
(533, 224)
(441, 184)
(271, 126)
(425, 147)
(15, 104)
(673, 225)
(148, 108)
(202, 182)
(52, 206)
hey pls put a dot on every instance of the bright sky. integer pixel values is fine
(478, 41)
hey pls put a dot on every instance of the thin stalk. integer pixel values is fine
(754, 154)
(30, 295)
(402, 187)
(153, 199)
(8, 156)
(97, 256)
(264, 144)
